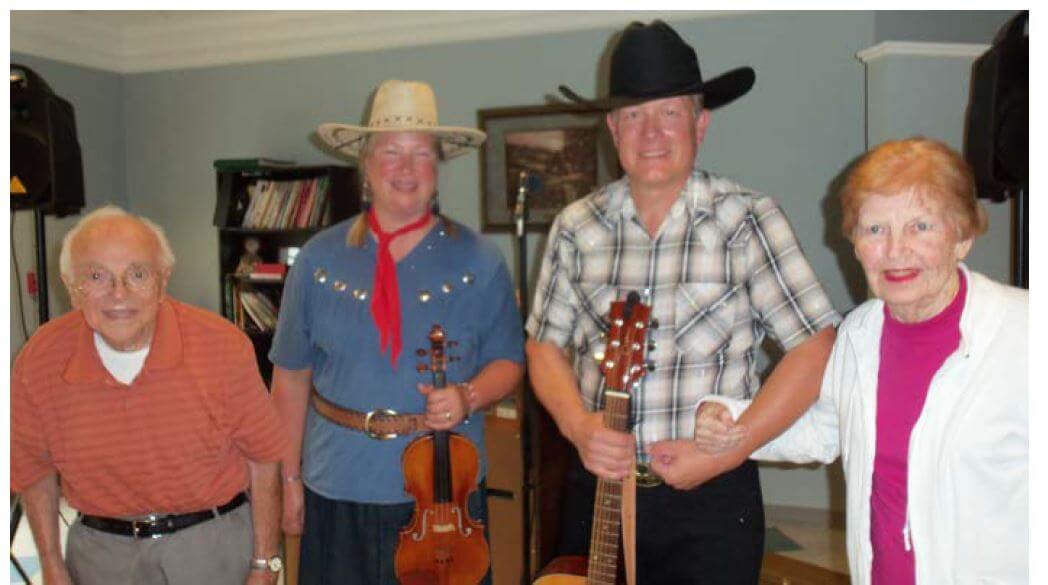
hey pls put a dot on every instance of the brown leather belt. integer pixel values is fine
(379, 424)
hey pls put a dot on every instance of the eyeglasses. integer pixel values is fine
(99, 281)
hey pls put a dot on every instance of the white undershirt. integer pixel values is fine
(123, 365)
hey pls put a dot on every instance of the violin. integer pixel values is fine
(441, 545)
(622, 366)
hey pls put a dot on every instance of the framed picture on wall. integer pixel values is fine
(566, 147)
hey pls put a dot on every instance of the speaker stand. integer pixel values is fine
(1021, 240)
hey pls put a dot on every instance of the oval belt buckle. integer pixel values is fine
(373, 434)
(646, 478)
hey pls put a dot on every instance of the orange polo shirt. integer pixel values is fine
(177, 439)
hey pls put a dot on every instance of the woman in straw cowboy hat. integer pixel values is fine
(359, 302)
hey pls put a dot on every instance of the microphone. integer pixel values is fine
(527, 182)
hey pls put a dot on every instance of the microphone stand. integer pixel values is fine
(520, 215)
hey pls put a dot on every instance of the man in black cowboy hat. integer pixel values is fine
(721, 269)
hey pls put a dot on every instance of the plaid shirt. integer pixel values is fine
(724, 271)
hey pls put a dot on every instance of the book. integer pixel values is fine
(259, 309)
(268, 271)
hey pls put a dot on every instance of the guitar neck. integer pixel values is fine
(607, 506)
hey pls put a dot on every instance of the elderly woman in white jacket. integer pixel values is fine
(925, 394)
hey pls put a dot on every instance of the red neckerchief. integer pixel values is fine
(385, 294)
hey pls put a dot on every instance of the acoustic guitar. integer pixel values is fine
(622, 366)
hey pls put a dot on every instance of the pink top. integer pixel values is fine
(911, 354)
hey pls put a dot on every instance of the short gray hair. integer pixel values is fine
(65, 257)
(696, 100)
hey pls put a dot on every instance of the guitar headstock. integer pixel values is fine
(623, 362)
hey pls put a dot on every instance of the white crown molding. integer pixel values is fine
(918, 49)
(67, 37)
(190, 40)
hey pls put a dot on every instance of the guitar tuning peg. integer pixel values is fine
(420, 352)
(654, 324)
(651, 346)
(650, 365)
(422, 368)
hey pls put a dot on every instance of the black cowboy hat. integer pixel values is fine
(652, 62)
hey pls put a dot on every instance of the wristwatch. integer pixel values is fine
(273, 564)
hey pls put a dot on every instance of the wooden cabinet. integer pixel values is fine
(505, 484)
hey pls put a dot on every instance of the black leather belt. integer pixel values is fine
(156, 526)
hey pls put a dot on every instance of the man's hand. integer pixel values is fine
(605, 453)
(445, 408)
(56, 573)
(716, 430)
(682, 465)
(294, 513)
(260, 577)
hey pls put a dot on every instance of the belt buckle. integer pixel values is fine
(373, 434)
(149, 521)
(646, 478)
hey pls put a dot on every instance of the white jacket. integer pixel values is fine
(968, 488)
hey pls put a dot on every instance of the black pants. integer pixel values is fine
(710, 535)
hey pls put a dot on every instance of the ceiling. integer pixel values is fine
(132, 41)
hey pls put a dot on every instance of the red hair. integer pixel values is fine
(915, 165)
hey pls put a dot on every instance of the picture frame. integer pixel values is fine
(567, 147)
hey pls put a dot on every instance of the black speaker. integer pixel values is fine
(45, 153)
(997, 144)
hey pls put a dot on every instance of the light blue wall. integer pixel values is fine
(784, 138)
(939, 26)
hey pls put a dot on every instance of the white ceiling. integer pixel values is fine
(138, 41)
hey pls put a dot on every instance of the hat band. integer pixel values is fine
(400, 121)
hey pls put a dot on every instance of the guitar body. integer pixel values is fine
(564, 571)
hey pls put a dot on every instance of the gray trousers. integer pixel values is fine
(215, 552)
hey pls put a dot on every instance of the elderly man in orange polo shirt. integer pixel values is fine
(154, 416)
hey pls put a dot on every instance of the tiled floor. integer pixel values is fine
(25, 551)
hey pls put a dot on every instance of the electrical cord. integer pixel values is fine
(18, 281)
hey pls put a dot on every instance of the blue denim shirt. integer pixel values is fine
(457, 281)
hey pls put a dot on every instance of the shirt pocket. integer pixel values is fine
(595, 300)
(702, 317)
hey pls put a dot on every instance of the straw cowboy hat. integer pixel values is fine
(652, 62)
(401, 106)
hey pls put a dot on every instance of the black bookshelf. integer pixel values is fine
(234, 194)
